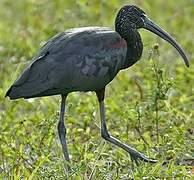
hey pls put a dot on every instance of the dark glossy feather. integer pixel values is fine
(82, 59)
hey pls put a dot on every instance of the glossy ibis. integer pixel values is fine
(87, 59)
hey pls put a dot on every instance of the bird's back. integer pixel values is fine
(80, 59)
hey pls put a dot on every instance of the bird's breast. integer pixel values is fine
(116, 45)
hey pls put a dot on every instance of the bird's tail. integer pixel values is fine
(12, 93)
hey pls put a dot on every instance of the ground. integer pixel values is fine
(149, 106)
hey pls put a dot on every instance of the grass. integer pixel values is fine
(150, 105)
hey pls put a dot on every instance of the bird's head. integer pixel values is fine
(130, 18)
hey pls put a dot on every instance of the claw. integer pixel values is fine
(138, 156)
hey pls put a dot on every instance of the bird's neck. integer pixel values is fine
(134, 48)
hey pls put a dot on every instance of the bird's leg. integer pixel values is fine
(135, 155)
(62, 130)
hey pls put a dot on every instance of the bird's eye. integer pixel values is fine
(133, 25)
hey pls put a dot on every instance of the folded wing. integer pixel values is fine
(83, 59)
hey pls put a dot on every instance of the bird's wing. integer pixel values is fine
(77, 56)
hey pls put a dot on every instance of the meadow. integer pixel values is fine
(149, 106)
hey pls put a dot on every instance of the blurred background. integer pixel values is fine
(150, 105)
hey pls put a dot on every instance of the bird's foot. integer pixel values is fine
(137, 157)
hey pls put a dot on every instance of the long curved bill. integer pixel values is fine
(151, 26)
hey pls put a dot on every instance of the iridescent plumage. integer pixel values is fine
(87, 59)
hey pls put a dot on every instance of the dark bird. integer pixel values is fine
(87, 59)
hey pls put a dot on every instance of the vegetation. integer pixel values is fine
(150, 105)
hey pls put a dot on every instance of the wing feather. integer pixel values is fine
(82, 59)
